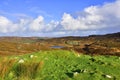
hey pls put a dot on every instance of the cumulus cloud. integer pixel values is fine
(6, 25)
(95, 17)
(52, 26)
(90, 20)
(69, 23)
(32, 25)
(37, 24)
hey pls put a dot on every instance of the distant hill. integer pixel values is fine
(112, 35)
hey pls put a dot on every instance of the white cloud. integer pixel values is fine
(51, 26)
(32, 25)
(95, 17)
(90, 20)
(6, 25)
(37, 24)
(69, 23)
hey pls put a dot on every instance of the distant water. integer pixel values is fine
(57, 47)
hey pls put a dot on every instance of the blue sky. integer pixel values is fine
(58, 18)
(53, 8)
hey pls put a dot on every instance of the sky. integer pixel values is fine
(56, 18)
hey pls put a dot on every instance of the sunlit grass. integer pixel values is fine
(59, 65)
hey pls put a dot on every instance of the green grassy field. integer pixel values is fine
(59, 65)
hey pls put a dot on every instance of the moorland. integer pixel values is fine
(94, 57)
(108, 44)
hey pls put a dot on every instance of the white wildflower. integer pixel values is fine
(78, 55)
(108, 76)
(76, 73)
(21, 61)
(31, 56)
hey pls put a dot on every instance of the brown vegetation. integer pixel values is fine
(95, 44)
